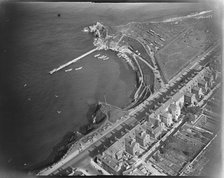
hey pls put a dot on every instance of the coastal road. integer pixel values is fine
(156, 69)
(151, 55)
(175, 87)
(60, 164)
(136, 95)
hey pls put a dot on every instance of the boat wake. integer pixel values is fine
(194, 15)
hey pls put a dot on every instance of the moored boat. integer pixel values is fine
(78, 68)
(97, 55)
(106, 58)
(68, 70)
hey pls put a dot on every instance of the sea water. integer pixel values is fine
(39, 109)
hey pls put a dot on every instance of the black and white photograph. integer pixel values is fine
(111, 88)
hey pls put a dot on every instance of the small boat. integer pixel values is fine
(94, 120)
(86, 29)
(78, 68)
(68, 70)
(25, 85)
(101, 57)
(97, 55)
(59, 112)
(106, 58)
(56, 96)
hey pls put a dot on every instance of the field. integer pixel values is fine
(189, 44)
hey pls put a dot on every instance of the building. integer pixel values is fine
(203, 84)
(142, 137)
(179, 98)
(166, 118)
(109, 164)
(134, 172)
(189, 98)
(215, 76)
(131, 146)
(116, 150)
(119, 155)
(153, 120)
(209, 78)
(175, 110)
(155, 132)
(198, 92)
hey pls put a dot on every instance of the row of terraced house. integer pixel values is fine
(120, 156)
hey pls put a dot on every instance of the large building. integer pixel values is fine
(116, 150)
(166, 118)
(142, 137)
(156, 131)
(178, 98)
(203, 84)
(209, 78)
(131, 146)
(134, 172)
(190, 98)
(198, 92)
(175, 111)
(153, 120)
(109, 164)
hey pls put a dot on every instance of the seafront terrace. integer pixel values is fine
(144, 158)
(177, 125)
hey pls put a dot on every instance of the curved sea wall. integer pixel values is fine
(104, 40)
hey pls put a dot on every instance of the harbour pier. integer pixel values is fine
(72, 61)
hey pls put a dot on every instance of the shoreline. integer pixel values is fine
(70, 138)
(62, 147)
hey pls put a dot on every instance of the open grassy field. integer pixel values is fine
(189, 44)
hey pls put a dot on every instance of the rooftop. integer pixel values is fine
(188, 94)
(165, 114)
(173, 106)
(196, 88)
(133, 171)
(158, 129)
(202, 82)
(109, 161)
(140, 132)
(130, 141)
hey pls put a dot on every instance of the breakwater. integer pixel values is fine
(72, 61)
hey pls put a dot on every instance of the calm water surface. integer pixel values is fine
(41, 42)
